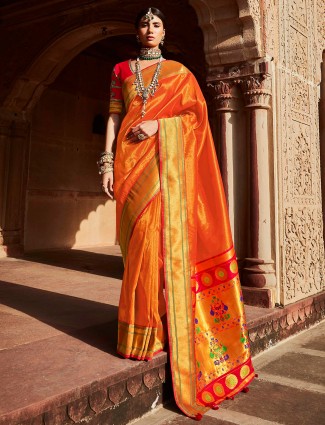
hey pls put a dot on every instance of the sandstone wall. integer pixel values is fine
(64, 205)
(298, 27)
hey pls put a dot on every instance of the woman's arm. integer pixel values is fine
(113, 125)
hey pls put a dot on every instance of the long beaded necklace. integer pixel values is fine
(145, 92)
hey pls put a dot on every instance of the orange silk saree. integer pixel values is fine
(181, 277)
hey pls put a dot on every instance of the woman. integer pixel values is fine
(181, 277)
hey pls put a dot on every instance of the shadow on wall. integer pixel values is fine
(65, 206)
(56, 220)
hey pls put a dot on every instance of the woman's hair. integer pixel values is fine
(154, 11)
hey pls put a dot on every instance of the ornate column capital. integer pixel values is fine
(257, 91)
(253, 78)
(224, 99)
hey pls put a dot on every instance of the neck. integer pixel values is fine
(150, 48)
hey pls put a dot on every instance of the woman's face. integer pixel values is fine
(151, 32)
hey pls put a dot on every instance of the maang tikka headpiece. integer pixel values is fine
(149, 16)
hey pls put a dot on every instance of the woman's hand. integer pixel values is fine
(107, 183)
(142, 131)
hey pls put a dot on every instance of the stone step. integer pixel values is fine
(58, 364)
(74, 378)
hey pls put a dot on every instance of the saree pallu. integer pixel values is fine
(181, 275)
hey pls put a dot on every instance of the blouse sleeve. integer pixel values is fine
(116, 97)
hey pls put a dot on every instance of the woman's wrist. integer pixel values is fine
(105, 162)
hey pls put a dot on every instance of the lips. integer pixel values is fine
(150, 38)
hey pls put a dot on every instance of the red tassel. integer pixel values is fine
(256, 375)
(215, 407)
(198, 417)
(245, 390)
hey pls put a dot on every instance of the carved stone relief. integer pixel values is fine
(298, 11)
(298, 52)
(302, 168)
(300, 99)
(301, 227)
(270, 35)
(319, 39)
(303, 258)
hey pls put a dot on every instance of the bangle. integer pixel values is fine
(105, 162)
(105, 168)
(107, 153)
(105, 159)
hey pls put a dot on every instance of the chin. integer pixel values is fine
(150, 44)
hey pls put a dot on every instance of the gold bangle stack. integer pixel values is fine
(106, 162)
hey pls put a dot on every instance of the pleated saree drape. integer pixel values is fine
(181, 279)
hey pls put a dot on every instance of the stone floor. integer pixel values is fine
(57, 348)
(289, 390)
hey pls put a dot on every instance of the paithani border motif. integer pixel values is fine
(215, 271)
(177, 266)
(129, 333)
(220, 273)
(227, 385)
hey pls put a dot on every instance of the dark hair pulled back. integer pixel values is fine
(154, 11)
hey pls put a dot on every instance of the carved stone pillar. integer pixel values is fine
(322, 136)
(258, 270)
(14, 149)
(225, 108)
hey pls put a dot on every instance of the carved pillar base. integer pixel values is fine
(258, 273)
(11, 243)
(258, 297)
(258, 282)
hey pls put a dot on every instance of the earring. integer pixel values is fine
(138, 39)
(162, 41)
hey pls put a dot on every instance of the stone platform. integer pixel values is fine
(58, 364)
(289, 389)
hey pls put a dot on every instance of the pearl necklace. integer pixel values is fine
(145, 92)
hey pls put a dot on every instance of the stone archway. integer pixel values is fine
(232, 30)
(230, 36)
(15, 117)
(44, 70)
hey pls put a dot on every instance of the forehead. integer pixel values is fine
(153, 21)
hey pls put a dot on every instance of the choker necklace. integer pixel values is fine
(147, 53)
(145, 92)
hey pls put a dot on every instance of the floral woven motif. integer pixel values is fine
(221, 339)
